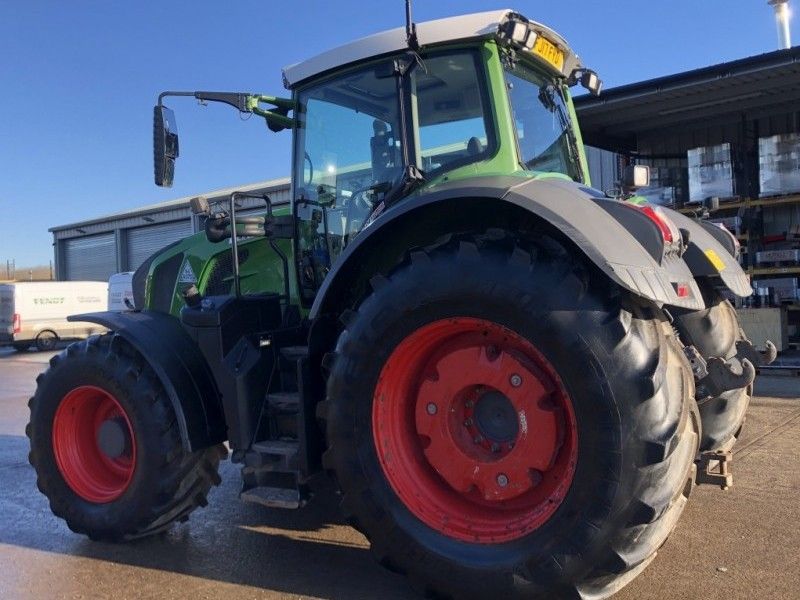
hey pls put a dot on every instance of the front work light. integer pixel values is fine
(588, 79)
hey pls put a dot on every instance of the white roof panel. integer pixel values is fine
(429, 33)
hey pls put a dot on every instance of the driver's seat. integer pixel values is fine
(384, 152)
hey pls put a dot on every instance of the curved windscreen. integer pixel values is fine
(544, 131)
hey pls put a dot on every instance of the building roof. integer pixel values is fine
(271, 184)
(429, 33)
(758, 85)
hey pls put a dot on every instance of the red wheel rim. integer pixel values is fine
(90, 471)
(474, 430)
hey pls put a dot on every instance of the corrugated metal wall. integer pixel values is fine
(142, 242)
(603, 168)
(97, 248)
(90, 258)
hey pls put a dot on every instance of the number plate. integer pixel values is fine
(549, 52)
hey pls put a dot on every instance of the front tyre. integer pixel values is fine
(106, 447)
(502, 425)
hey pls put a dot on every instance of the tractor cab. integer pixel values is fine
(403, 112)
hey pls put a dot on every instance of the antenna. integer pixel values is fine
(411, 29)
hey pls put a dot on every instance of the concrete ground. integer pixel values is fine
(743, 543)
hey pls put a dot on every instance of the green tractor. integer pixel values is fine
(512, 377)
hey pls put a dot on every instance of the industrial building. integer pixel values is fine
(729, 131)
(97, 248)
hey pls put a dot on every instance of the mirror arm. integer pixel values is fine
(286, 103)
(276, 119)
(163, 95)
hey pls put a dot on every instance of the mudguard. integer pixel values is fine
(180, 366)
(575, 210)
(708, 257)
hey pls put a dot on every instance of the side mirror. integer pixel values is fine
(635, 177)
(165, 145)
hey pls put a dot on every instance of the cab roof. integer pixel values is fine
(483, 25)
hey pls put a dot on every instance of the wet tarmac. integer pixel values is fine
(742, 543)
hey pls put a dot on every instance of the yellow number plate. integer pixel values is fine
(549, 52)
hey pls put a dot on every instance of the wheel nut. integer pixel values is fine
(502, 480)
(516, 380)
(478, 439)
(431, 408)
(495, 448)
(467, 422)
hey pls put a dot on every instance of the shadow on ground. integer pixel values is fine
(294, 552)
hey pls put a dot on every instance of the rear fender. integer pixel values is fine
(179, 365)
(566, 206)
(706, 255)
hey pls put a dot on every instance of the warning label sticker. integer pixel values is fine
(187, 274)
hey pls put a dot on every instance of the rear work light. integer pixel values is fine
(17, 323)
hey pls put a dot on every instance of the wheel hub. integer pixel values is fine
(93, 444)
(496, 418)
(491, 449)
(113, 439)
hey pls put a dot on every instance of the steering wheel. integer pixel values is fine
(310, 170)
(361, 200)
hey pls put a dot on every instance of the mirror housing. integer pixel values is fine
(165, 145)
(635, 177)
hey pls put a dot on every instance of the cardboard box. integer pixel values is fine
(779, 164)
(711, 172)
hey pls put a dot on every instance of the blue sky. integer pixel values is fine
(78, 80)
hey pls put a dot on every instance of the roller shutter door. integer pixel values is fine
(90, 258)
(145, 241)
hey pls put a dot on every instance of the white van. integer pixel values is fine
(120, 292)
(36, 312)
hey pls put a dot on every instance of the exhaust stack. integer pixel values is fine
(782, 21)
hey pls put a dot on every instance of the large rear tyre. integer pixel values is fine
(106, 447)
(714, 331)
(502, 425)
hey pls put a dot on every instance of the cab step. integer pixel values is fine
(284, 402)
(274, 455)
(294, 353)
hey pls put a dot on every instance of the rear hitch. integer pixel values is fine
(746, 350)
(714, 376)
(714, 468)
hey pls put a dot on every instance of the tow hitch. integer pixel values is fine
(714, 468)
(712, 378)
(716, 376)
(745, 350)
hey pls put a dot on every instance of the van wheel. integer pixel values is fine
(46, 340)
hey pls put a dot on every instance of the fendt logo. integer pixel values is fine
(48, 300)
